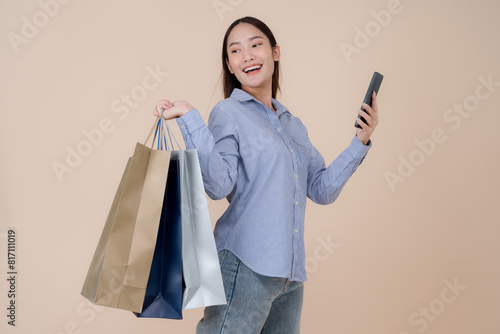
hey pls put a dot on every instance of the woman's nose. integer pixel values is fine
(248, 56)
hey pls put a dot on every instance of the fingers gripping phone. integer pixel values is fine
(374, 87)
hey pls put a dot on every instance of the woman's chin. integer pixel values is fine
(256, 84)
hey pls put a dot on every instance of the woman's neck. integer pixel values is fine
(264, 95)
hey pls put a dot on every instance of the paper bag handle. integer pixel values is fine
(162, 129)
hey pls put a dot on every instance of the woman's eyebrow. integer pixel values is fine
(250, 39)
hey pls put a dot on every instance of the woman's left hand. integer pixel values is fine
(371, 117)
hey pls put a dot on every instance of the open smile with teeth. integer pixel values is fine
(252, 68)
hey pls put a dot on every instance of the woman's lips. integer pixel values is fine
(253, 72)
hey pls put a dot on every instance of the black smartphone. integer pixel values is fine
(374, 86)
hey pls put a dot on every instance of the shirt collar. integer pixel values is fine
(241, 95)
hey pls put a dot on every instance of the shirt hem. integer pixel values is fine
(258, 271)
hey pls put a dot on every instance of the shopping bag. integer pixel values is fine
(201, 266)
(200, 262)
(119, 270)
(163, 297)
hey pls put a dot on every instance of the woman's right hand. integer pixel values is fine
(172, 109)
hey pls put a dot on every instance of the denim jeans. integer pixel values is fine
(256, 304)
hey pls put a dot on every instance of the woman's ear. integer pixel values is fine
(276, 52)
(229, 66)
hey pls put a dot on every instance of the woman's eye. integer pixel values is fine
(237, 50)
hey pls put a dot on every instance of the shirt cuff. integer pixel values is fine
(190, 122)
(357, 149)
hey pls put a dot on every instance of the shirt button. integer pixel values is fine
(296, 231)
(279, 129)
(296, 203)
(182, 126)
(291, 150)
(296, 176)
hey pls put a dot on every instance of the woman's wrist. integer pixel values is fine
(185, 110)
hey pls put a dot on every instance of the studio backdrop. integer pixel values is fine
(410, 246)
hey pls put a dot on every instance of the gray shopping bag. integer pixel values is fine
(200, 262)
(201, 267)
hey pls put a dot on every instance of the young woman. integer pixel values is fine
(256, 154)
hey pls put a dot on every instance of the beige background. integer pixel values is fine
(389, 251)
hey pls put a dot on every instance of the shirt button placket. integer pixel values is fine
(295, 223)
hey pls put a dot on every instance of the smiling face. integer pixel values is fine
(251, 57)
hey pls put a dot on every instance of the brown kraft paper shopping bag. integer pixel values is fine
(119, 271)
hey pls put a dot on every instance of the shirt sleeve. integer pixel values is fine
(217, 147)
(325, 184)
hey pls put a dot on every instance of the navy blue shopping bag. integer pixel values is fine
(164, 291)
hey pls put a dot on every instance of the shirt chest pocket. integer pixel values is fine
(302, 154)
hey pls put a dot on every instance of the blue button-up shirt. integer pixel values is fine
(265, 165)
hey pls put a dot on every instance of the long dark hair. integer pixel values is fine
(229, 80)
